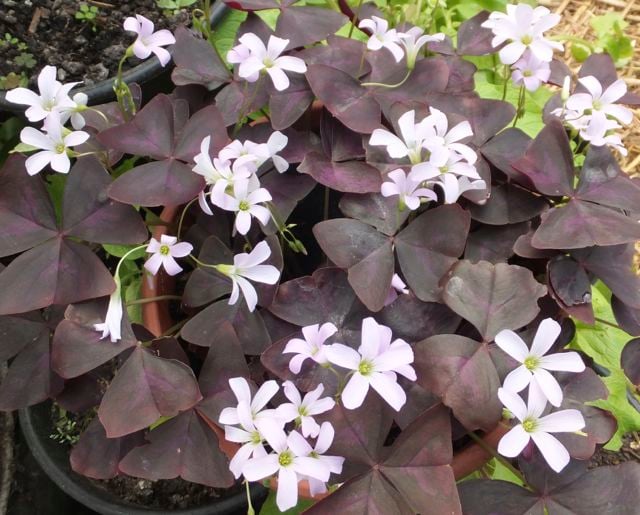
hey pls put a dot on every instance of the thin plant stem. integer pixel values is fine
(174, 330)
(250, 510)
(390, 86)
(356, 16)
(325, 212)
(487, 448)
(184, 212)
(153, 299)
(505, 76)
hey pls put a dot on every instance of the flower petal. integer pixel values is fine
(563, 361)
(513, 442)
(287, 495)
(513, 402)
(264, 394)
(343, 356)
(549, 386)
(565, 421)
(547, 333)
(555, 454)
(355, 391)
(259, 468)
(389, 390)
(518, 379)
(512, 344)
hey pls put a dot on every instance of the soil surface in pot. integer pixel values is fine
(630, 451)
(34, 33)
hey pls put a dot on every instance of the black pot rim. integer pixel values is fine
(103, 91)
(36, 426)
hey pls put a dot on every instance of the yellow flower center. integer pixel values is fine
(285, 459)
(531, 363)
(527, 73)
(526, 40)
(529, 425)
(365, 367)
(60, 148)
(164, 250)
(244, 205)
(597, 105)
(256, 438)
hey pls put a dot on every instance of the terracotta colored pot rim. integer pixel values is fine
(157, 319)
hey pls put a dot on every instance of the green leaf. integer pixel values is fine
(132, 292)
(120, 250)
(580, 52)
(23, 147)
(605, 24)
(271, 508)
(497, 470)
(224, 34)
(55, 186)
(604, 344)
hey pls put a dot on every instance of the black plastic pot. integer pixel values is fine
(103, 91)
(37, 427)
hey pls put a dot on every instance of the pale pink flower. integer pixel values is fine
(534, 427)
(597, 100)
(382, 36)
(442, 138)
(322, 445)
(302, 410)
(247, 267)
(53, 96)
(75, 113)
(164, 253)
(149, 42)
(411, 144)
(530, 72)
(246, 202)
(258, 153)
(248, 410)
(238, 55)
(375, 364)
(413, 40)
(598, 130)
(113, 319)
(444, 161)
(54, 144)
(453, 186)
(535, 365)
(311, 347)
(288, 461)
(408, 188)
(256, 403)
(524, 27)
(398, 287)
(269, 59)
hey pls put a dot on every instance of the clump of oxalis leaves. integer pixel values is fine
(371, 264)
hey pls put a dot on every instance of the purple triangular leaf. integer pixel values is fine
(613, 265)
(159, 183)
(628, 318)
(630, 361)
(362, 250)
(97, 456)
(345, 98)
(341, 53)
(508, 204)
(196, 61)
(146, 387)
(59, 271)
(205, 328)
(16, 333)
(570, 286)
(482, 293)
(580, 224)
(347, 177)
(429, 246)
(460, 371)
(30, 379)
(181, 447)
(548, 161)
(205, 122)
(376, 210)
(289, 105)
(90, 215)
(602, 181)
(505, 149)
(26, 213)
(473, 39)
(494, 243)
(206, 284)
(78, 347)
(303, 26)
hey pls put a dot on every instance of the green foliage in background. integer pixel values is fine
(604, 344)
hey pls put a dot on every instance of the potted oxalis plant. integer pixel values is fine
(362, 275)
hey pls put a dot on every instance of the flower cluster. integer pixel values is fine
(534, 373)
(527, 51)
(55, 107)
(376, 363)
(407, 43)
(291, 455)
(232, 179)
(254, 58)
(595, 114)
(437, 157)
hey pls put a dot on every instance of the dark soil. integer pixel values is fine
(170, 494)
(630, 451)
(34, 33)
